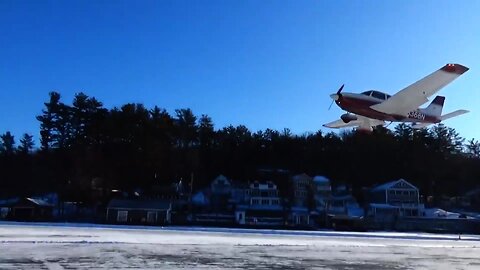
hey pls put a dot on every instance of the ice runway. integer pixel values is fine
(25, 246)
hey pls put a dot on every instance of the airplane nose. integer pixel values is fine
(334, 96)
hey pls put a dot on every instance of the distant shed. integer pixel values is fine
(28, 209)
(134, 211)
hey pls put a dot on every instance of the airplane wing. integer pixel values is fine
(413, 96)
(361, 122)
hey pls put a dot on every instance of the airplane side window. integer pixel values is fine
(378, 95)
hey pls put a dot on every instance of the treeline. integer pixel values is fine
(85, 145)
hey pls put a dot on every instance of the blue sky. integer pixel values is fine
(265, 64)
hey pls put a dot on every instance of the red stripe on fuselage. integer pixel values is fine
(361, 106)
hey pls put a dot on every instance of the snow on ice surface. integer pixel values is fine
(74, 246)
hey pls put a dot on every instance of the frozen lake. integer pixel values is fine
(26, 246)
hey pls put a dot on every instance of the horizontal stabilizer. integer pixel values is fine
(453, 114)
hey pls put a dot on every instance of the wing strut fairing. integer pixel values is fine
(362, 122)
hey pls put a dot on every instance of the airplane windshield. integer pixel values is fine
(378, 95)
(367, 93)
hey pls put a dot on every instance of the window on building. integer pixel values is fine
(265, 202)
(122, 216)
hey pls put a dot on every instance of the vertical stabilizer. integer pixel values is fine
(435, 108)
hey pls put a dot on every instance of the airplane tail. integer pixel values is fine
(435, 108)
(442, 118)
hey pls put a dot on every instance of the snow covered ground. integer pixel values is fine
(80, 246)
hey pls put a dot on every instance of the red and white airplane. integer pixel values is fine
(373, 108)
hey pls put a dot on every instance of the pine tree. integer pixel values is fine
(8, 143)
(187, 128)
(26, 144)
(55, 123)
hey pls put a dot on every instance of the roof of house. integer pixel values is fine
(221, 177)
(139, 204)
(394, 184)
(201, 197)
(321, 179)
(40, 202)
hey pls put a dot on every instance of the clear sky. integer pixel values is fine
(265, 64)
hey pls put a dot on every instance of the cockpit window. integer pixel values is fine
(378, 95)
(367, 93)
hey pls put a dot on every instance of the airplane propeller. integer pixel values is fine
(336, 96)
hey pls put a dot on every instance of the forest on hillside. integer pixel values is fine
(133, 147)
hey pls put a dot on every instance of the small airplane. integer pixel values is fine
(373, 108)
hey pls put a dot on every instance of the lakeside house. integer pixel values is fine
(30, 209)
(305, 202)
(393, 199)
(139, 211)
(261, 206)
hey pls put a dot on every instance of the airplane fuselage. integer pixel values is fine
(361, 104)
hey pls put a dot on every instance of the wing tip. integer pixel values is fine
(328, 126)
(455, 68)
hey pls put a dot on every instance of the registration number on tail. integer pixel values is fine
(416, 115)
